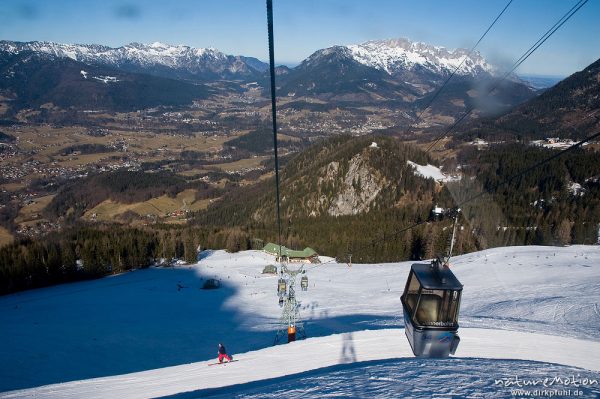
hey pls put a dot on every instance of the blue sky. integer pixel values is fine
(303, 26)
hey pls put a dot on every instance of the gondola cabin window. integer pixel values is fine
(412, 293)
(438, 308)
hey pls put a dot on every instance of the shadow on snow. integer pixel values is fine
(136, 321)
(99, 328)
(411, 377)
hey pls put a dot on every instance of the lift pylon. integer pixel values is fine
(290, 323)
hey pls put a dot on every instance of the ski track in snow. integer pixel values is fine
(140, 321)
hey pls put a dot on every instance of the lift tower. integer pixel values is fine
(290, 322)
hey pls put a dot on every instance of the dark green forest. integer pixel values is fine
(539, 207)
(84, 252)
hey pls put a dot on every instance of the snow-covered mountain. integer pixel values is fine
(31, 79)
(399, 70)
(526, 312)
(396, 55)
(157, 57)
(395, 70)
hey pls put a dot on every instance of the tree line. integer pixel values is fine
(86, 252)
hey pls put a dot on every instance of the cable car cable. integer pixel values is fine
(529, 169)
(285, 287)
(489, 190)
(516, 64)
(437, 93)
(274, 114)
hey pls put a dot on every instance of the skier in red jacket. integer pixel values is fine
(223, 354)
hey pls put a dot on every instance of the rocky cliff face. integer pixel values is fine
(346, 188)
(338, 180)
(360, 186)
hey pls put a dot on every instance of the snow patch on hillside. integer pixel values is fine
(432, 172)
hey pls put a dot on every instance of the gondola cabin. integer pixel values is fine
(431, 302)
(304, 283)
(281, 287)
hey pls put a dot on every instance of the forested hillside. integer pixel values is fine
(558, 203)
(121, 186)
(363, 218)
(570, 109)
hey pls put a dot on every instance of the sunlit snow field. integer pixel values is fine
(149, 320)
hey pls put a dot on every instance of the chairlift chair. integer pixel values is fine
(304, 283)
(431, 303)
(281, 287)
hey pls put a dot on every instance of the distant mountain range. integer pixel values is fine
(395, 57)
(156, 58)
(541, 81)
(32, 80)
(395, 70)
(405, 75)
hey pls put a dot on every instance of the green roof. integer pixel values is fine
(273, 249)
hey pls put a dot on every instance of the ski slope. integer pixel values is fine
(338, 349)
(526, 311)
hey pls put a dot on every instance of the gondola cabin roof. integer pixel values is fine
(432, 278)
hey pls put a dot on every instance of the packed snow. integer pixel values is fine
(529, 313)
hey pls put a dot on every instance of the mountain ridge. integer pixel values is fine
(191, 62)
(34, 79)
(569, 109)
(399, 69)
(373, 72)
(391, 56)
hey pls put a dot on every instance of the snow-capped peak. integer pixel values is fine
(146, 56)
(400, 54)
(159, 45)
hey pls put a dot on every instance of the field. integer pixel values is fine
(48, 144)
(5, 236)
(162, 207)
(31, 212)
(248, 163)
(46, 157)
